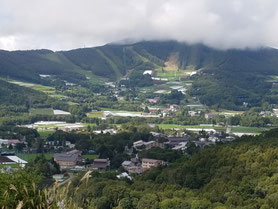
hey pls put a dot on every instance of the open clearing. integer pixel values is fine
(175, 126)
(45, 89)
(32, 156)
(172, 63)
(235, 129)
(41, 111)
(43, 126)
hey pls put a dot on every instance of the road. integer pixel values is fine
(71, 176)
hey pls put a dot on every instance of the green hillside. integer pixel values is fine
(16, 100)
(226, 79)
(27, 65)
(238, 175)
(11, 94)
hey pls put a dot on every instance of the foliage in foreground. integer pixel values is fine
(24, 190)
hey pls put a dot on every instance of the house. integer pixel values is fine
(100, 164)
(4, 143)
(135, 169)
(149, 163)
(213, 139)
(13, 142)
(154, 100)
(106, 131)
(12, 159)
(157, 135)
(127, 164)
(59, 144)
(135, 160)
(6, 153)
(211, 115)
(203, 143)
(68, 159)
(4, 160)
(175, 141)
(124, 175)
(192, 113)
(228, 139)
(70, 145)
(181, 146)
(69, 128)
(138, 144)
(7, 142)
(147, 72)
(266, 113)
(173, 107)
(152, 144)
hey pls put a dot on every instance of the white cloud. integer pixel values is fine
(66, 24)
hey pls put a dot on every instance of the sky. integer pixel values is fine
(69, 24)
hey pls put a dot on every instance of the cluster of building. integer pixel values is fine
(56, 145)
(136, 165)
(74, 160)
(139, 166)
(8, 142)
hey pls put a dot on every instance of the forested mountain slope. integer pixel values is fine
(241, 174)
(225, 79)
(17, 100)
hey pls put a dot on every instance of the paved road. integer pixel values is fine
(71, 176)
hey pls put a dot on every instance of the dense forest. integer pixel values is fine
(16, 99)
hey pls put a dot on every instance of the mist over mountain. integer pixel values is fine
(69, 24)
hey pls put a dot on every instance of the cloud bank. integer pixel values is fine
(67, 24)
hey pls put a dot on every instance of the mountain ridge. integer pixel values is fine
(240, 74)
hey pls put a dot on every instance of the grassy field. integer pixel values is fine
(169, 74)
(56, 95)
(45, 133)
(41, 111)
(45, 89)
(37, 87)
(171, 126)
(243, 129)
(229, 112)
(30, 156)
(98, 114)
(90, 156)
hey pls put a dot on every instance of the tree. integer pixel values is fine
(148, 201)
(10, 146)
(175, 203)
(146, 110)
(19, 147)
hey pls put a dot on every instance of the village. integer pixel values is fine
(71, 160)
(177, 124)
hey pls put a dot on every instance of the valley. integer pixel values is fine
(123, 115)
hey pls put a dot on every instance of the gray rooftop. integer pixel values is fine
(67, 156)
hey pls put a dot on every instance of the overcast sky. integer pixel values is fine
(68, 24)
